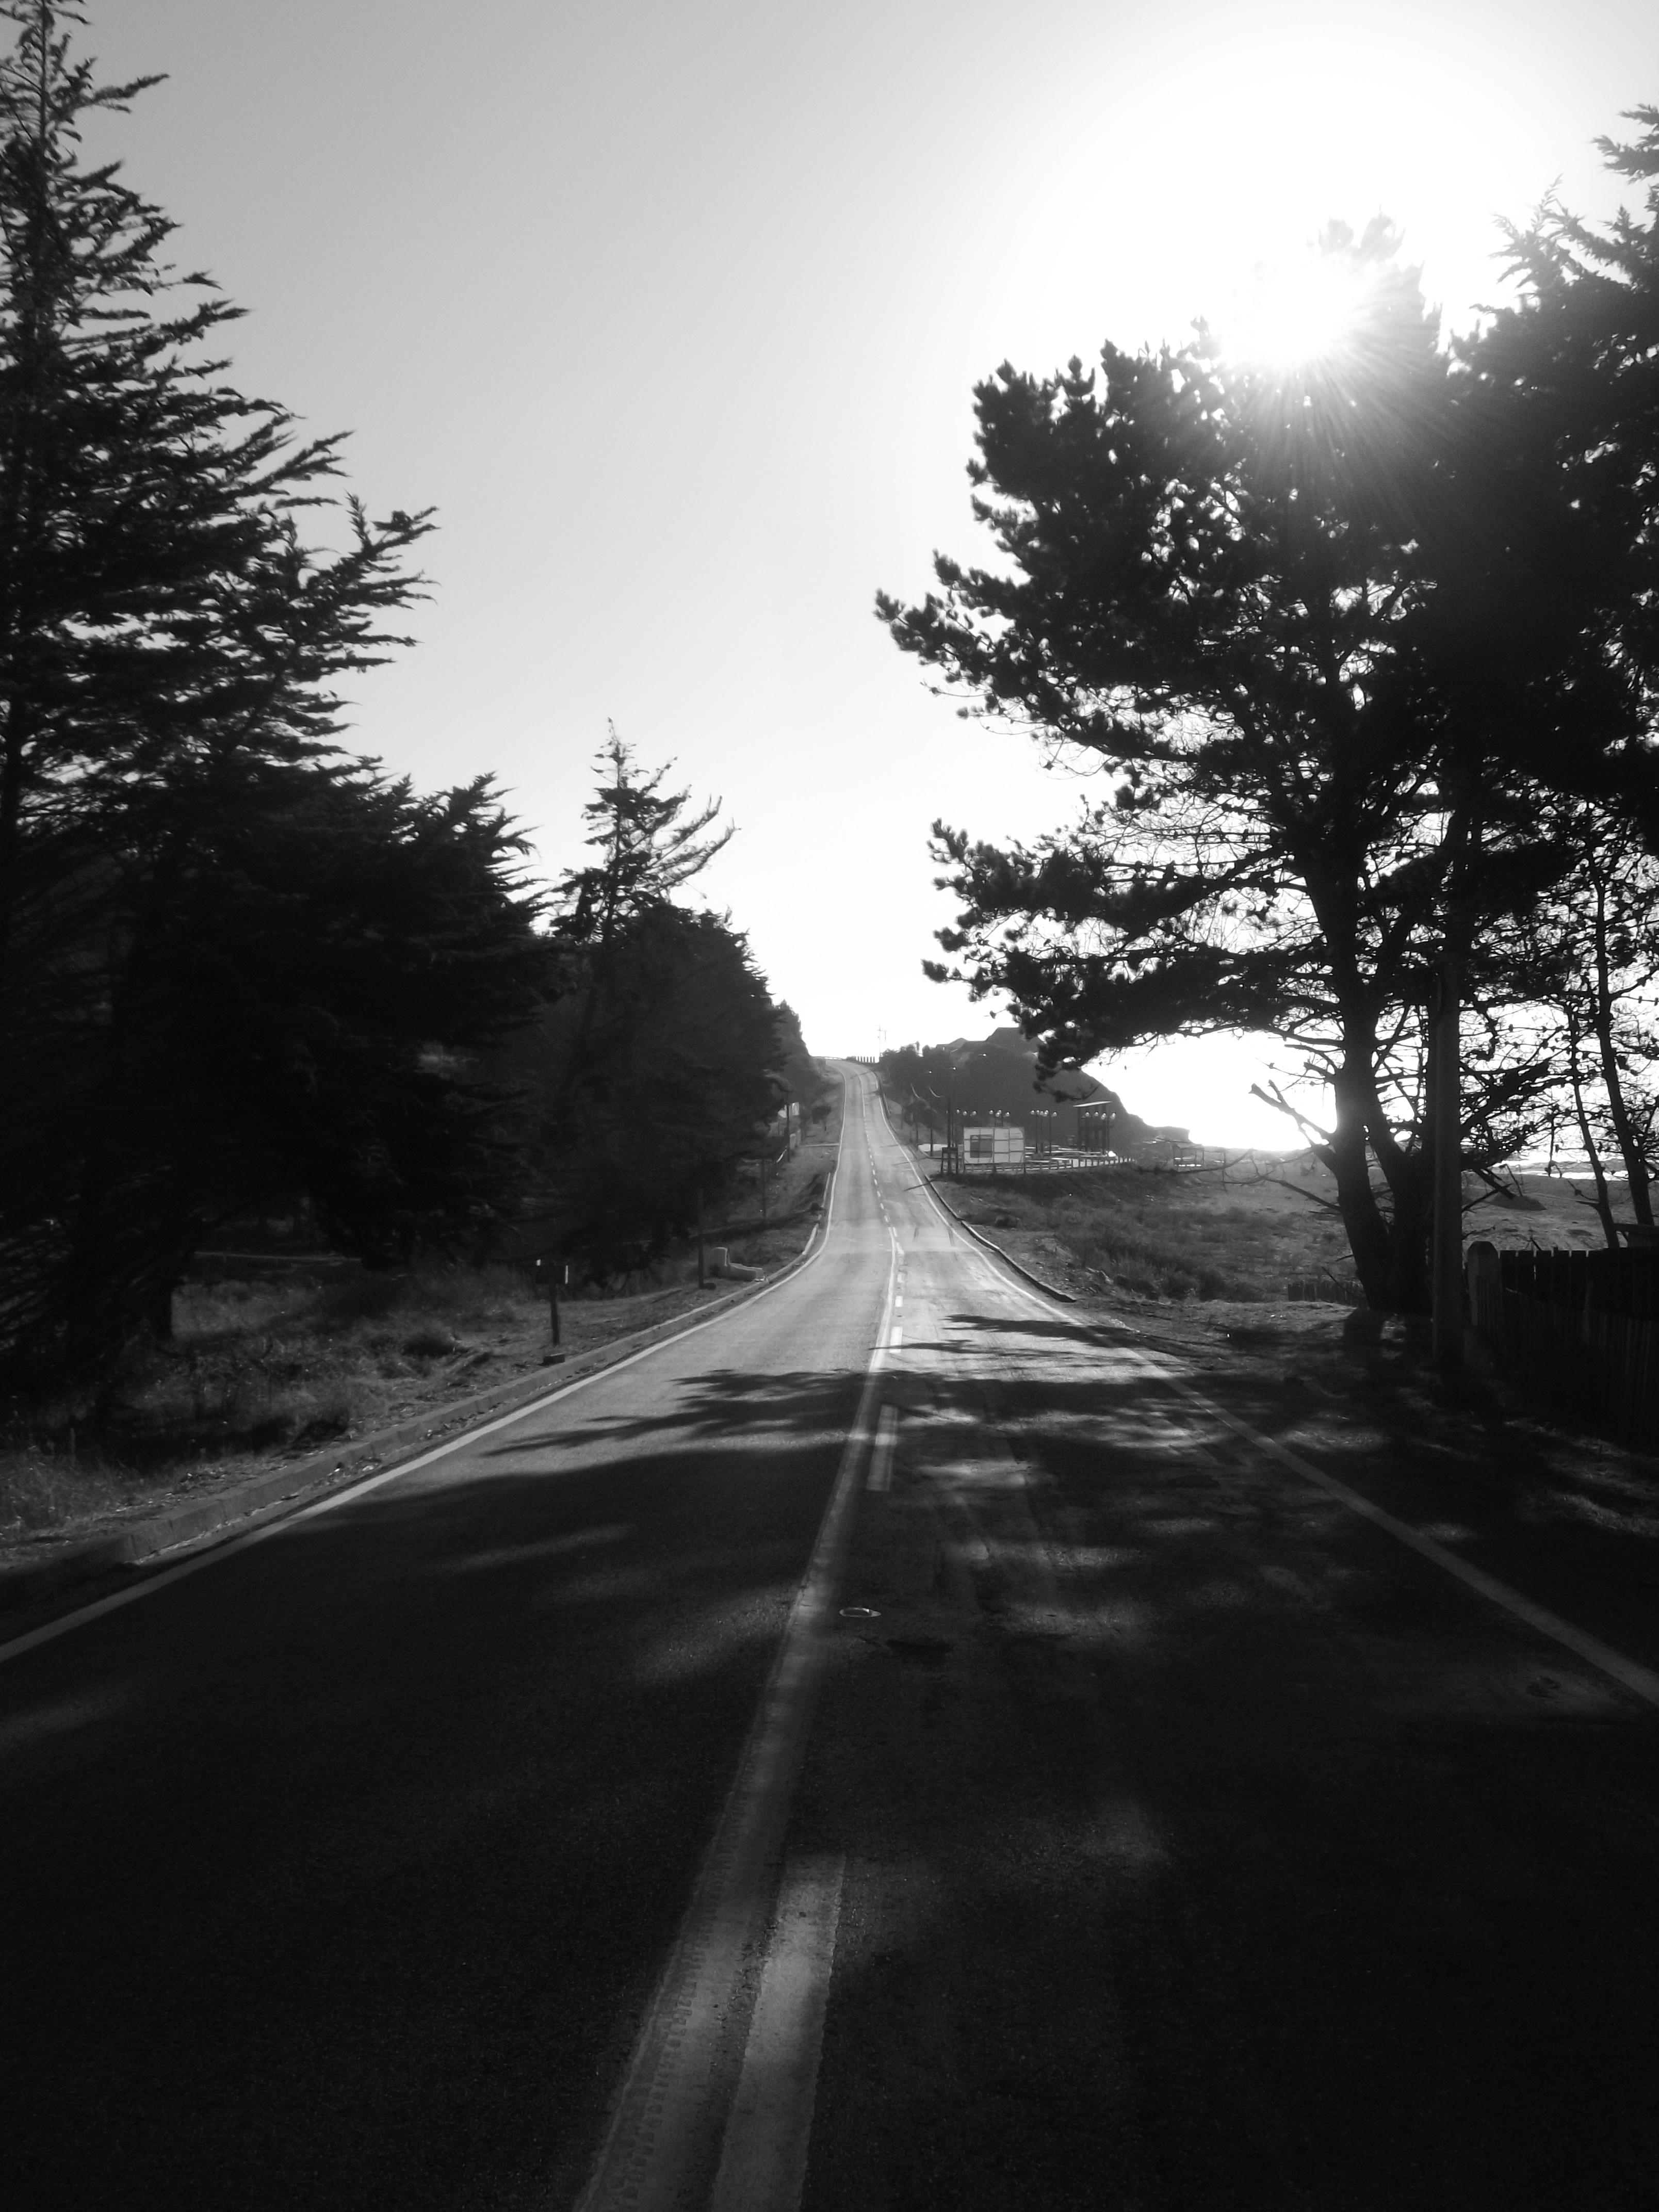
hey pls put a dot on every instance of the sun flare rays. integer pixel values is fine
(1296, 315)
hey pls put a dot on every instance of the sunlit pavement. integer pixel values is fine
(1197, 1844)
(1205, 1847)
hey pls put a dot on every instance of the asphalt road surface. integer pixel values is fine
(895, 1747)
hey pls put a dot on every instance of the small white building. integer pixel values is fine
(1002, 1145)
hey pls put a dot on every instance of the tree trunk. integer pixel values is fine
(1603, 1196)
(1349, 1159)
(1630, 1149)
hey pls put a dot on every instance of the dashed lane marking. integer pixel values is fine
(690, 2064)
(881, 1458)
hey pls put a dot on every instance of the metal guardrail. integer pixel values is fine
(1033, 1164)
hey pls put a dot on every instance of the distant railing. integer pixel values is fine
(1324, 1289)
(954, 1161)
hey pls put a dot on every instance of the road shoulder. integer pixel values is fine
(37, 1577)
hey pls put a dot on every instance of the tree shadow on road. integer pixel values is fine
(1255, 1879)
(1269, 1875)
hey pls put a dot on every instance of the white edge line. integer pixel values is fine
(980, 1254)
(215, 1553)
(1641, 1681)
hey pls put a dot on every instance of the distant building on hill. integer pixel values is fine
(998, 1076)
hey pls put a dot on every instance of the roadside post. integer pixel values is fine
(548, 1272)
(1446, 1267)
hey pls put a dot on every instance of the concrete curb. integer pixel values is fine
(930, 1183)
(1048, 1289)
(286, 1489)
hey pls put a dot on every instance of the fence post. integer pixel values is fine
(1445, 1114)
(1483, 1273)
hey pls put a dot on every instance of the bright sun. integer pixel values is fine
(1293, 316)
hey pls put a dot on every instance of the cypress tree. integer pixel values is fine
(1339, 635)
(155, 600)
(235, 965)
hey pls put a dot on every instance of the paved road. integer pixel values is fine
(1206, 1845)
(1169, 1835)
(336, 1873)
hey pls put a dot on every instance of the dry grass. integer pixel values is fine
(1159, 1237)
(258, 1371)
(264, 1370)
(1243, 1238)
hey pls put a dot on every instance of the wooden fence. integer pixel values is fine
(1585, 1326)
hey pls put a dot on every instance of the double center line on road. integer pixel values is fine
(719, 2088)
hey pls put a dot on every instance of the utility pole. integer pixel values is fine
(703, 1271)
(1445, 1118)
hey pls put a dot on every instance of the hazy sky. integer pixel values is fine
(673, 308)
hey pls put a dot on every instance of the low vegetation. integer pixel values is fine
(258, 1371)
(1250, 1237)
(1156, 1237)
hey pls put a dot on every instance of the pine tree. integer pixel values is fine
(235, 965)
(156, 601)
(1330, 635)
(647, 848)
(653, 1072)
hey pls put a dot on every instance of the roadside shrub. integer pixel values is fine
(1154, 1267)
(471, 1297)
(336, 1305)
(428, 1342)
(41, 1487)
(318, 1418)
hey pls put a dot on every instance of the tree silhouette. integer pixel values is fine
(655, 1071)
(232, 961)
(1329, 633)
